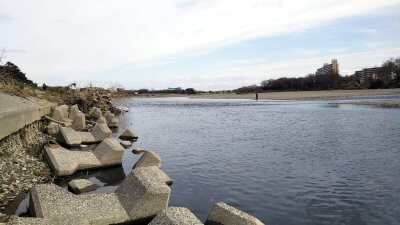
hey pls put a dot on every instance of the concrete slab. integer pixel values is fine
(149, 158)
(176, 216)
(64, 162)
(140, 197)
(79, 186)
(16, 113)
(224, 214)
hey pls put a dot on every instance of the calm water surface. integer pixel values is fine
(281, 161)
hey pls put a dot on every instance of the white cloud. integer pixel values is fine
(71, 39)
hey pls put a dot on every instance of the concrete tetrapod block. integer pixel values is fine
(109, 152)
(101, 131)
(74, 110)
(79, 122)
(69, 136)
(65, 162)
(140, 197)
(79, 186)
(126, 144)
(113, 122)
(224, 214)
(176, 216)
(58, 114)
(128, 134)
(64, 110)
(144, 193)
(96, 112)
(101, 120)
(53, 128)
(73, 138)
(149, 158)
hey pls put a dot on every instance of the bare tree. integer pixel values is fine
(2, 55)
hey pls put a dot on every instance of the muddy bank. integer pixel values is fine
(21, 163)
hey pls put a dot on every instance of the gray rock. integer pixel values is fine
(79, 122)
(65, 162)
(149, 158)
(128, 134)
(176, 216)
(126, 144)
(53, 128)
(140, 197)
(224, 214)
(79, 186)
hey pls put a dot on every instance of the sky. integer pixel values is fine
(206, 45)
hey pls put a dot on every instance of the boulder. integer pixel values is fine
(138, 150)
(225, 214)
(149, 158)
(96, 112)
(79, 186)
(64, 162)
(128, 134)
(139, 198)
(176, 216)
(53, 128)
(73, 112)
(79, 122)
(126, 144)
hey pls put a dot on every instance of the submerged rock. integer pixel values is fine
(225, 214)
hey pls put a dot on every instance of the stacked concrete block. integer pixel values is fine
(224, 214)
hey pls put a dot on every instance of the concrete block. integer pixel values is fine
(96, 112)
(69, 136)
(101, 131)
(128, 134)
(65, 162)
(79, 186)
(79, 122)
(58, 114)
(109, 152)
(64, 110)
(101, 120)
(224, 214)
(139, 198)
(126, 144)
(143, 194)
(138, 150)
(114, 122)
(176, 216)
(53, 128)
(149, 158)
(74, 110)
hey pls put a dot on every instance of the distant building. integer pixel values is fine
(368, 74)
(174, 89)
(329, 69)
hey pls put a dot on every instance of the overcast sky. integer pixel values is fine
(205, 44)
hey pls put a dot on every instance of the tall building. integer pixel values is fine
(329, 69)
(374, 73)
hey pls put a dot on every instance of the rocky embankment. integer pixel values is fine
(76, 138)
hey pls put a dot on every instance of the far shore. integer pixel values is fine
(301, 95)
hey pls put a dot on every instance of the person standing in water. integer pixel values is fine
(256, 96)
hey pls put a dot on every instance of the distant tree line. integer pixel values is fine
(188, 91)
(389, 78)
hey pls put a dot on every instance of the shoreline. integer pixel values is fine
(302, 95)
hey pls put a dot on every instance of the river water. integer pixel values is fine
(285, 162)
